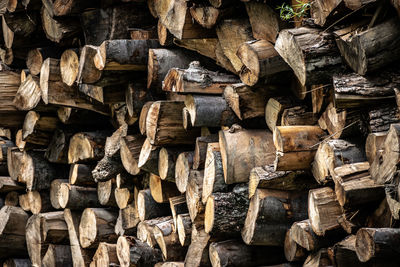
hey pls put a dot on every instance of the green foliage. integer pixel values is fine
(298, 10)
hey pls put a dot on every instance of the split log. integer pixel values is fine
(60, 29)
(145, 230)
(14, 162)
(148, 208)
(86, 147)
(161, 190)
(265, 177)
(375, 243)
(298, 115)
(28, 94)
(200, 150)
(361, 56)
(324, 210)
(69, 66)
(193, 195)
(209, 111)
(97, 225)
(225, 212)
(297, 138)
(127, 221)
(236, 253)
(303, 234)
(105, 193)
(106, 255)
(12, 238)
(148, 158)
(124, 196)
(143, 117)
(230, 42)
(293, 251)
(207, 16)
(165, 38)
(183, 166)
(247, 102)
(73, 196)
(167, 161)
(198, 251)
(168, 241)
(332, 154)
(164, 124)
(80, 256)
(55, 189)
(353, 90)
(274, 110)
(260, 60)
(57, 255)
(184, 228)
(213, 173)
(252, 148)
(192, 80)
(112, 23)
(131, 146)
(304, 49)
(81, 174)
(373, 145)
(38, 129)
(131, 251)
(318, 258)
(57, 150)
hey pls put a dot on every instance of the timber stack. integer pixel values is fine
(199, 133)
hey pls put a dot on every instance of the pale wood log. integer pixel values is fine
(74, 197)
(332, 154)
(36, 56)
(165, 38)
(148, 208)
(130, 150)
(80, 257)
(123, 196)
(297, 138)
(57, 255)
(324, 210)
(318, 258)
(293, 251)
(303, 234)
(274, 110)
(39, 201)
(54, 192)
(260, 60)
(148, 158)
(225, 212)
(145, 230)
(97, 225)
(200, 150)
(105, 193)
(38, 129)
(143, 117)
(183, 227)
(198, 250)
(193, 195)
(127, 221)
(133, 252)
(252, 148)
(28, 94)
(178, 206)
(207, 16)
(265, 177)
(69, 66)
(266, 221)
(106, 255)
(192, 80)
(373, 145)
(14, 162)
(183, 166)
(168, 241)
(304, 49)
(81, 174)
(161, 190)
(167, 161)
(237, 253)
(294, 161)
(205, 46)
(86, 147)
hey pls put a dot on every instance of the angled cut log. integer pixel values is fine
(183, 167)
(293, 251)
(145, 230)
(200, 150)
(131, 146)
(28, 94)
(274, 110)
(86, 147)
(167, 161)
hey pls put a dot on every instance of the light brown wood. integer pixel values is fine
(132, 251)
(86, 147)
(161, 190)
(148, 208)
(183, 167)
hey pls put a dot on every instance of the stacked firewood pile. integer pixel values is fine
(199, 133)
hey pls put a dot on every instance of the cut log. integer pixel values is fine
(236, 253)
(178, 206)
(28, 94)
(81, 174)
(168, 241)
(373, 145)
(148, 158)
(136, 96)
(206, 16)
(231, 34)
(12, 239)
(74, 197)
(39, 202)
(131, 251)
(353, 90)
(297, 138)
(293, 251)
(11, 199)
(225, 212)
(363, 57)
(130, 150)
(148, 208)
(265, 177)
(106, 255)
(164, 124)
(161, 190)
(298, 115)
(209, 111)
(35, 58)
(80, 257)
(57, 255)
(184, 228)
(303, 234)
(274, 110)
(260, 60)
(69, 66)
(213, 173)
(166, 161)
(267, 221)
(311, 53)
(183, 166)
(86, 147)
(97, 225)
(105, 193)
(57, 151)
(123, 197)
(193, 195)
(384, 166)
(38, 129)
(197, 80)
(128, 219)
(324, 210)
(332, 154)
(252, 148)
(145, 230)
(200, 150)
(198, 251)
(318, 258)
(375, 243)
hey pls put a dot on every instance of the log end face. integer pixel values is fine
(123, 251)
(87, 228)
(34, 61)
(30, 122)
(80, 149)
(63, 195)
(141, 205)
(209, 215)
(365, 246)
(69, 66)
(250, 221)
(163, 163)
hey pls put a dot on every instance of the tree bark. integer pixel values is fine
(131, 251)
(148, 208)
(81, 174)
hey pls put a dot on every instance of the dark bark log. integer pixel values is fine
(200, 150)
